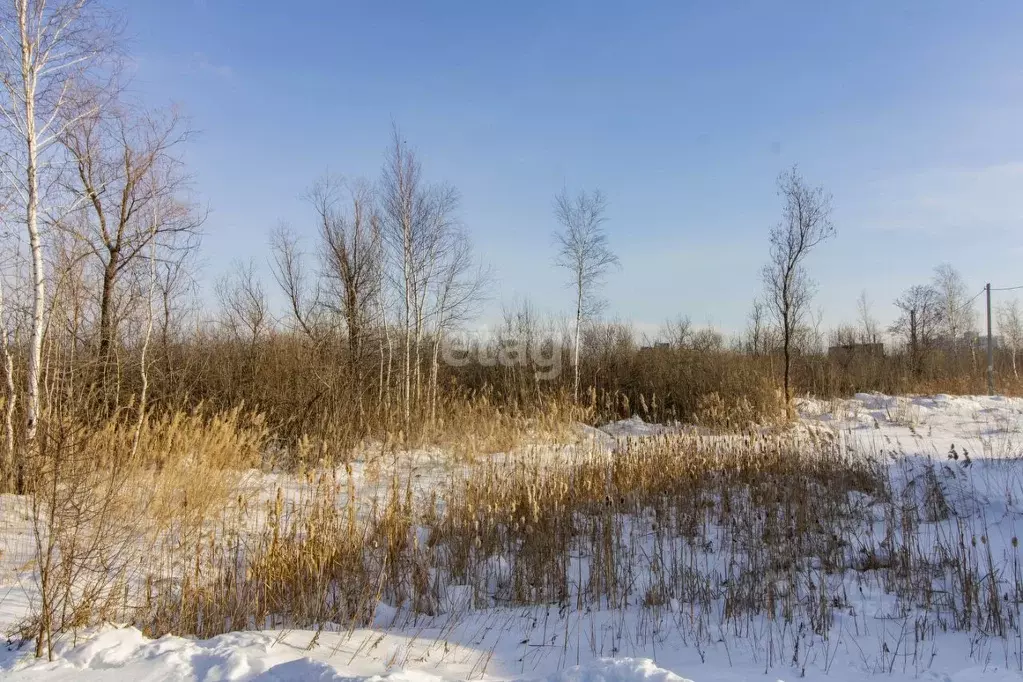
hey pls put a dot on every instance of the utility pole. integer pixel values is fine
(990, 346)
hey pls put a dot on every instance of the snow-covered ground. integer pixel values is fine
(974, 446)
(991, 427)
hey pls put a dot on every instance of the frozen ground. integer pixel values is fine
(990, 427)
(973, 443)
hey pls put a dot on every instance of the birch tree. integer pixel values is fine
(10, 390)
(1010, 326)
(806, 223)
(48, 49)
(404, 209)
(415, 219)
(957, 317)
(583, 251)
(147, 336)
(460, 287)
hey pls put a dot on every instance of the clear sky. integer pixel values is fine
(683, 113)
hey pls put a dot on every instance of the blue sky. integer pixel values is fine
(683, 113)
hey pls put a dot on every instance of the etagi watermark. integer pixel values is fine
(542, 357)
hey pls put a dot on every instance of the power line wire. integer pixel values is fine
(970, 302)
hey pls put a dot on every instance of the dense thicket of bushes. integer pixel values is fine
(313, 389)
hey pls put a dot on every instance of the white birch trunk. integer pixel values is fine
(144, 354)
(575, 345)
(35, 350)
(9, 403)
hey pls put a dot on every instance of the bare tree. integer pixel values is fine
(351, 255)
(920, 321)
(461, 286)
(126, 176)
(810, 337)
(957, 317)
(1010, 326)
(756, 331)
(524, 328)
(845, 335)
(48, 49)
(677, 332)
(806, 223)
(243, 301)
(707, 339)
(583, 251)
(405, 213)
(440, 239)
(288, 268)
(868, 323)
(175, 286)
(415, 219)
(922, 315)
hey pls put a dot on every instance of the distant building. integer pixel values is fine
(978, 340)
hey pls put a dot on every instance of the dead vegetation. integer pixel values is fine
(753, 535)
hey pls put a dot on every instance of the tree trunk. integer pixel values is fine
(165, 341)
(407, 395)
(419, 353)
(144, 355)
(35, 352)
(434, 371)
(9, 403)
(575, 351)
(409, 298)
(106, 313)
(380, 377)
(390, 368)
(355, 356)
(787, 352)
(29, 75)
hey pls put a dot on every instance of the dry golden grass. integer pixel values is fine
(103, 508)
(725, 528)
(509, 528)
(119, 528)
